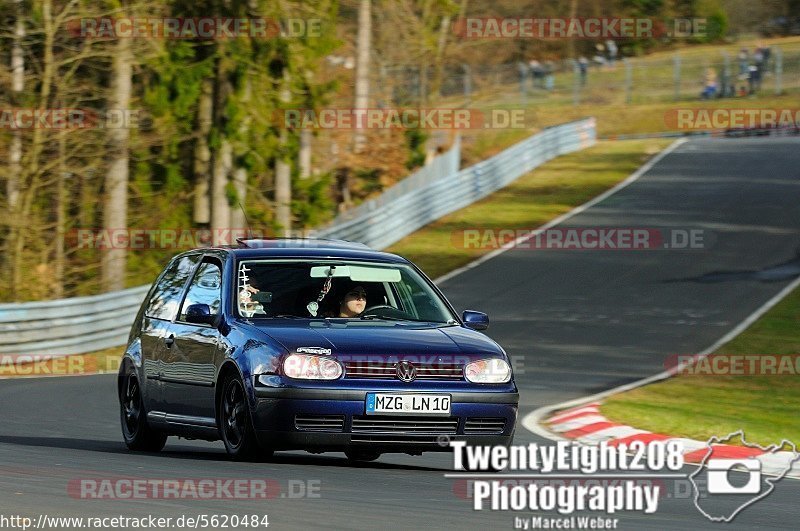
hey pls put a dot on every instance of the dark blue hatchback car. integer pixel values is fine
(319, 345)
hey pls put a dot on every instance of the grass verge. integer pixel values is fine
(701, 405)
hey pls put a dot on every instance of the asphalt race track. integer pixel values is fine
(577, 322)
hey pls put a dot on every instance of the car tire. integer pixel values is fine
(362, 456)
(235, 423)
(136, 431)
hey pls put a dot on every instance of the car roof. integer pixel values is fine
(306, 248)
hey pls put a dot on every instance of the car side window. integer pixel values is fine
(167, 294)
(206, 288)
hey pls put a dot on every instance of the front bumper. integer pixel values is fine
(334, 420)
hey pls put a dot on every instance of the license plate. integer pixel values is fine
(407, 404)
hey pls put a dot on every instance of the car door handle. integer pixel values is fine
(169, 341)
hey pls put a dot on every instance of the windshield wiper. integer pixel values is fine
(372, 316)
(287, 316)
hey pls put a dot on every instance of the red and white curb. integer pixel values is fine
(585, 424)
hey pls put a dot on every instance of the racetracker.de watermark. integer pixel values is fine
(203, 28)
(577, 28)
(192, 488)
(53, 365)
(143, 239)
(378, 365)
(734, 364)
(401, 118)
(744, 118)
(68, 118)
(581, 238)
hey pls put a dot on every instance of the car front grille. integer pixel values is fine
(475, 425)
(388, 371)
(319, 422)
(405, 425)
(388, 438)
(385, 429)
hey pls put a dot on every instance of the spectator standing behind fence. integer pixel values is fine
(583, 68)
(600, 56)
(758, 58)
(744, 61)
(726, 86)
(754, 80)
(549, 80)
(612, 49)
(538, 73)
(523, 76)
(709, 84)
(766, 51)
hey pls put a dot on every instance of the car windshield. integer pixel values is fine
(337, 290)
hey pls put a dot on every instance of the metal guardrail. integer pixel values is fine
(87, 324)
(69, 326)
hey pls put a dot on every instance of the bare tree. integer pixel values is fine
(283, 173)
(115, 204)
(222, 154)
(202, 153)
(17, 85)
(238, 218)
(573, 12)
(362, 66)
(304, 156)
(220, 208)
(61, 218)
(283, 195)
(32, 173)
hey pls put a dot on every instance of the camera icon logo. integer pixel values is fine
(719, 471)
(734, 474)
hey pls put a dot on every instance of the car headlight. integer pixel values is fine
(307, 367)
(492, 370)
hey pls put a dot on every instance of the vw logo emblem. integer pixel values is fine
(406, 372)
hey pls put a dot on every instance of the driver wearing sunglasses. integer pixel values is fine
(353, 303)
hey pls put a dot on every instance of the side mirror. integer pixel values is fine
(475, 320)
(200, 314)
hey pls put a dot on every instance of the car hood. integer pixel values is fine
(381, 340)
